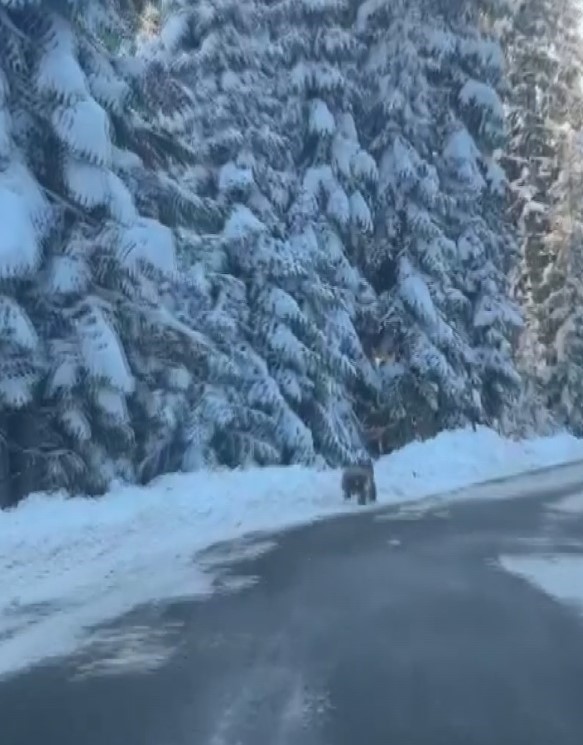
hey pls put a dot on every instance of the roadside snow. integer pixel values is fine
(571, 505)
(69, 564)
(559, 575)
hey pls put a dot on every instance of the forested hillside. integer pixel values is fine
(542, 42)
(280, 231)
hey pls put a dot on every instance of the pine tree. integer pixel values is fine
(296, 293)
(434, 125)
(93, 334)
(329, 221)
(543, 161)
(477, 193)
(216, 53)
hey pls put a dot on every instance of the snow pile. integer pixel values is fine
(68, 564)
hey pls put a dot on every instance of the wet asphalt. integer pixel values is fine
(371, 629)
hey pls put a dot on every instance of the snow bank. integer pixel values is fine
(69, 564)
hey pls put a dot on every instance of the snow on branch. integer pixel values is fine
(84, 127)
(103, 354)
(19, 249)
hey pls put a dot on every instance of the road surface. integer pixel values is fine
(370, 629)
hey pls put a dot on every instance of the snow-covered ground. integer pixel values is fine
(69, 564)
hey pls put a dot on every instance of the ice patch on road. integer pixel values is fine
(560, 576)
(67, 565)
(234, 551)
(133, 649)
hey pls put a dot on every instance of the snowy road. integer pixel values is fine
(461, 625)
(69, 565)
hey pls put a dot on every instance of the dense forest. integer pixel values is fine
(240, 232)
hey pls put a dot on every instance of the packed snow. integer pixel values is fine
(571, 505)
(558, 575)
(69, 564)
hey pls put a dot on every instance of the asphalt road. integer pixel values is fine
(363, 630)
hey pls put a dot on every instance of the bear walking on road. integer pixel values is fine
(360, 480)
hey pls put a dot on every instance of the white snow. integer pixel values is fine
(360, 213)
(364, 166)
(174, 30)
(343, 150)
(151, 242)
(233, 178)
(496, 177)
(415, 293)
(67, 274)
(15, 326)
(491, 310)
(69, 564)
(112, 403)
(483, 96)
(571, 505)
(85, 128)
(318, 179)
(463, 156)
(109, 91)
(399, 164)
(16, 390)
(366, 11)
(102, 350)
(460, 147)
(321, 119)
(488, 51)
(242, 224)
(121, 202)
(558, 575)
(338, 206)
(59, 73)
(281, 305)
(17, 178)
(88, 184)
(19, 250)
(75, 423)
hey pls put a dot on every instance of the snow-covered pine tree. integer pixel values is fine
(542, 41)
(91, 269)
(476, 189)
(26, 222)
(435, 258)
(195, 402)
(290, 303)
(561, 312)
(217, 52)
(410, 258)
(329, 221)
